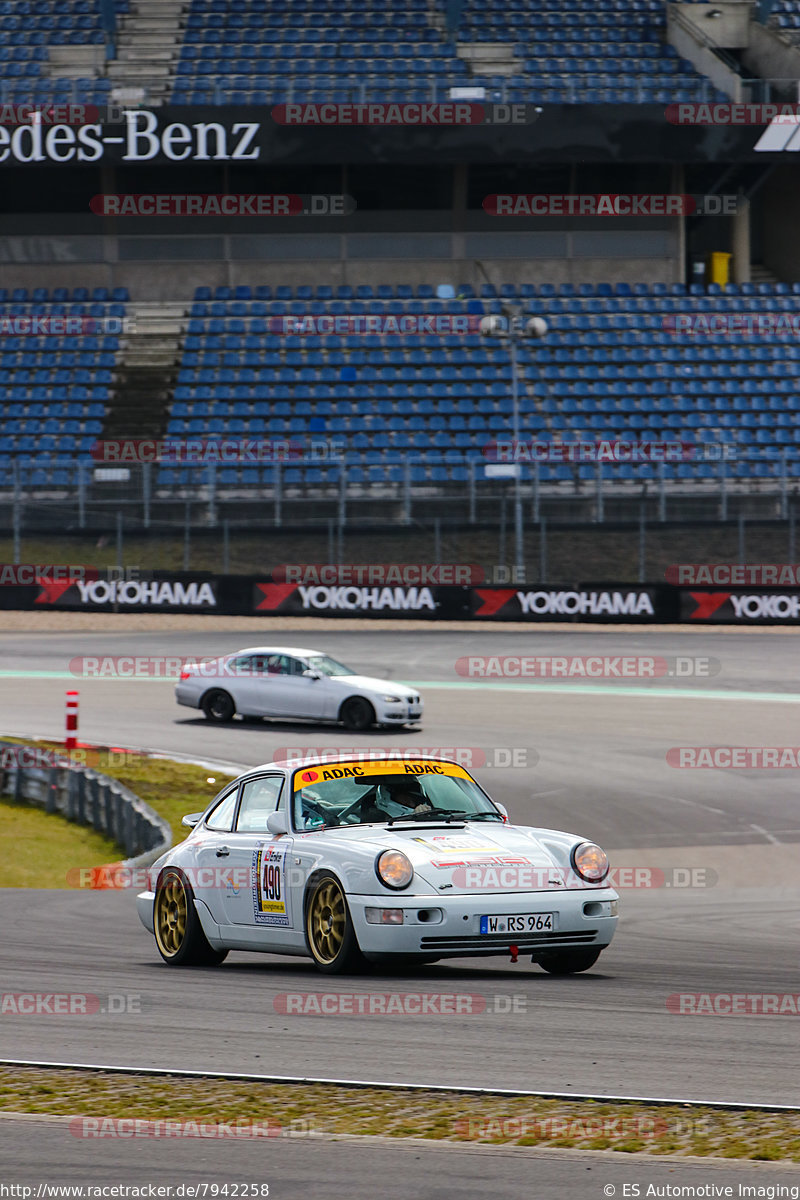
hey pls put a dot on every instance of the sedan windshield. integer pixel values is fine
(327, 666)
(376, 798)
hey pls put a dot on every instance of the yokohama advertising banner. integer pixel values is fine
(89, 589)
(607, 602)
(741, 606)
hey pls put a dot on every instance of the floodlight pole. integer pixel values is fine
(513, 333)
(518, 547)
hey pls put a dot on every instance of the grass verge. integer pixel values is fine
(46, 845)
(40, 848)
(308, 1110)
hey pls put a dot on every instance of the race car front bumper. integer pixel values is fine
(439, 926)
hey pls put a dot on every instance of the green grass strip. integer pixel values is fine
(312, 1109)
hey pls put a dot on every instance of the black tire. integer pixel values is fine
(335, 951)
(357, 714)
(218, 706)
(569, 962)
(179, 934)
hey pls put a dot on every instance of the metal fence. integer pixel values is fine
(83, 795)
(280, 494)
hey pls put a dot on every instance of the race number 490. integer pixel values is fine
(272, 881)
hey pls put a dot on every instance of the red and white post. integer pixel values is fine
(72, 720)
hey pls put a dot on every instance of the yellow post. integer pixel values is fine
(718, 268)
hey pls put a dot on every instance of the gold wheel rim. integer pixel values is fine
(172, 908)
(326, 921)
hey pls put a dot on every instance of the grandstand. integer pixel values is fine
(610, 369)
(575, 52)
(40, 41)
(199, 356)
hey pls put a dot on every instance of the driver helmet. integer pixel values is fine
(405, 791)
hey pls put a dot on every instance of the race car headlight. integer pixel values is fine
(394, 869)
(391, 699)
(590, 862)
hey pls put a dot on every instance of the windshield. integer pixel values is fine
(380, 793)
(327, 666)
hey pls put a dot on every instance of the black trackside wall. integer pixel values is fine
(619, 603)
(249, 135)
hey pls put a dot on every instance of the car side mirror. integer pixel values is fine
(311, 674)
(191, 819)
(502, 809)
(278, 822)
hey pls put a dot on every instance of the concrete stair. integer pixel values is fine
(157, 328)
(148, 48)
(483, 58)
(81, 62)
(148, 370)
(761, 274)
(488, 58)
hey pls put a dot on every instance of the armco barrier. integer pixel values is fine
(85, 796)
(253, 595)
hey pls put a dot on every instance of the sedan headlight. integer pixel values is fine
(394, 869)
(391, 699)
(590, 862)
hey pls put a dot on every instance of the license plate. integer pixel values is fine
(522, 923)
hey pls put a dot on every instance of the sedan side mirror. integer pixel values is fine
(310, 675)
(191, 819)
(278, 822)
(502, 809)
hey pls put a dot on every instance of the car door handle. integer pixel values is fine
(223, 852)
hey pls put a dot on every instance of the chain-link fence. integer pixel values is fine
(353, 491)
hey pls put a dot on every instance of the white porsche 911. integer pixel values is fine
(283, 681)
(347, 860)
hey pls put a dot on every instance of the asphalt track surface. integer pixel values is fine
(596, 756)
(35, 1150)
